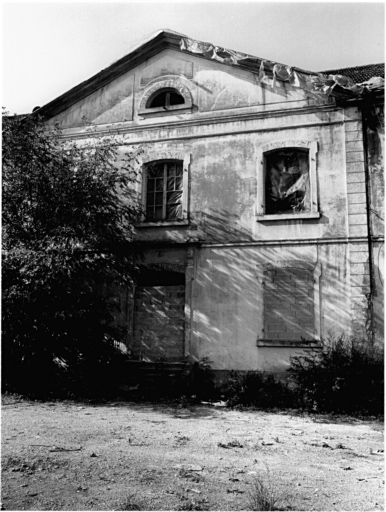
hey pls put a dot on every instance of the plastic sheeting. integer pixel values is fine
(287, 183)
(317, 85)
(212, 52)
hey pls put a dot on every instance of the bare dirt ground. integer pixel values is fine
(126, 456)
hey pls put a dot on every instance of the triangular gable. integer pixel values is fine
(268, 72)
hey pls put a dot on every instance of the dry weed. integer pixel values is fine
(266, 495)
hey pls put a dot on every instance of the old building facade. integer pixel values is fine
(262, 193)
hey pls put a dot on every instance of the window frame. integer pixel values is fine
(170, 84)
(163, 158)
(312, 147)
(263, 275)
(167, 91)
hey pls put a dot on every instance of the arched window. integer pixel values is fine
(165, 99)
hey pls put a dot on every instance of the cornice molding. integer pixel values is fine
(118, 129)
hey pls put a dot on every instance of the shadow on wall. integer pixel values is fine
(233, 307)
(378, 303)
(221, 226)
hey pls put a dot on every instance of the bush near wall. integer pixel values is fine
(344, 376)
(258, 389)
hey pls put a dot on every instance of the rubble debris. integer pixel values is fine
(231, 444)
(188, 467)
(377, 452)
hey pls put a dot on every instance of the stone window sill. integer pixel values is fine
(288, 216)
(288, 343)
(162, 111)
(174, 223)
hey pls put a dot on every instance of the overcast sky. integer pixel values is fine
(50, 47)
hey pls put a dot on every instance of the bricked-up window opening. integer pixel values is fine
(287, 181)
(165, 99)
(164, 191)
(289, 304)
(159, 315)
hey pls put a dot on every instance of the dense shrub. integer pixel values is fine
(257, 389)
(203, 383)
(344, 376)
(67, 238)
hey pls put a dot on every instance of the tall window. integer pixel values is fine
(164, 189)
(287, 181)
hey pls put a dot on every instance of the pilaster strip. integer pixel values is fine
(358, 264)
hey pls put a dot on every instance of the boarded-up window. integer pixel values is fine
(289, 304)
(287, 181)
(164, 189)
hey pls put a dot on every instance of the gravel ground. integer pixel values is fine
(126, 456)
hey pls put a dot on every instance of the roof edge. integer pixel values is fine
(140, 52)
(163, 39)
(156, 44)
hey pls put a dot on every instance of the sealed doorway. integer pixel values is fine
(159, 316)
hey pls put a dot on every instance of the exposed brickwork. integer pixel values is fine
(159, 322)
(289, 304)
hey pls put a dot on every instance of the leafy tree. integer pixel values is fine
(68, 217)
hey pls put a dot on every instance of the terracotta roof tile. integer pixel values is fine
(359, 73)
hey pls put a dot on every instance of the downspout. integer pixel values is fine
(365, 108)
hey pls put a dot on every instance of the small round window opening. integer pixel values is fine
(165, 99)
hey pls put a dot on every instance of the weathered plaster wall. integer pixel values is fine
(214, 87)
(227, 302)
(223, 87)
(110, 104)
(224, 181)
(232, 118)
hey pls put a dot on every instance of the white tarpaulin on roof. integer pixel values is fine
(318, 85)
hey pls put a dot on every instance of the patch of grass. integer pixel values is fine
(131, 503)
(265, 494)
(191, 503)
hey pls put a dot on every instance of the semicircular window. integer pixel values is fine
(165, 98)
